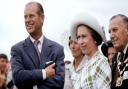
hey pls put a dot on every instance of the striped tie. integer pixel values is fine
(36, 43)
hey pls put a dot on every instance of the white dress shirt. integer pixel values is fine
(40, 49)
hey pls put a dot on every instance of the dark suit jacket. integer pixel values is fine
(27, 68)
(114, 65)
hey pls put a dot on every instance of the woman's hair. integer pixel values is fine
(69, 40)
(105, 46)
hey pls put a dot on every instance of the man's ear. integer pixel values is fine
(42, 18)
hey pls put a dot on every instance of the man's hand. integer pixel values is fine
(50, 71)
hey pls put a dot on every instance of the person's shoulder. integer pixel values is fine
(101, 56)
(69, 66)
(19, 44)
(54, 43)
(101, 59)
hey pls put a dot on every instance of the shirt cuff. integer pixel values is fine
(44, 74)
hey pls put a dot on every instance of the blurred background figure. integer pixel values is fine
(3, 70)
(108, 50)
(9, 82)
(74, 68)
(67, 84)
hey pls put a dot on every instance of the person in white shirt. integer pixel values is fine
(75, 67)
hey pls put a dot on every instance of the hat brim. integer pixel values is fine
(89, 20)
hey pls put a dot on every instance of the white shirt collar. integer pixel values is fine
(40, 43)
(40, 39)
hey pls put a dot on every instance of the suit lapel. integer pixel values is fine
(31, 51)
(46, 49)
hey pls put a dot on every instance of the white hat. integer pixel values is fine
(89, 20)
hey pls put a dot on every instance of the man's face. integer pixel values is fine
(33, 20)
(119, 33)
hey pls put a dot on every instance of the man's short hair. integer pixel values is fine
(40, 7)
(124, 18)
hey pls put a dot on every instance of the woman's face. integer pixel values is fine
(75, 49)
(111, 53)
(85, 40)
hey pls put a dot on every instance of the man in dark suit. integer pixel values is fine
(118, 30)
(37, 62)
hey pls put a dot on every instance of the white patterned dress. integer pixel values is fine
(75, 75)
(96, 73)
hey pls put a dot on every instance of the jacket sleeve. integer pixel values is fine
(22, 77)
(57, 82)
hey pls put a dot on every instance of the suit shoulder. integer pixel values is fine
(19, 44)
(55, 44)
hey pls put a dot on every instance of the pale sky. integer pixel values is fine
(58, 15)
